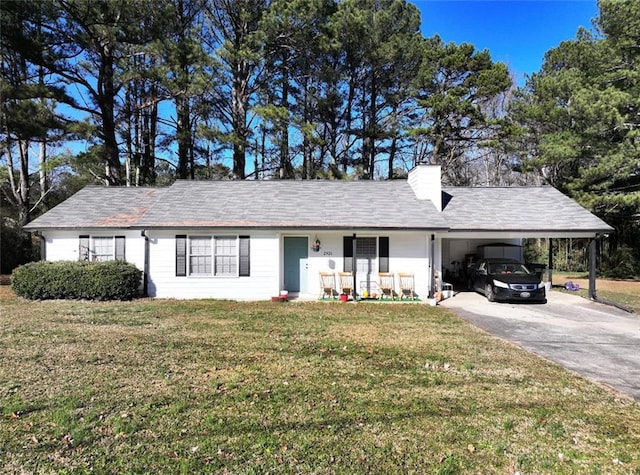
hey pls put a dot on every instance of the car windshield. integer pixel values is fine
(508, 268)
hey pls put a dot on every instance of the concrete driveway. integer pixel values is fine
(597, 341)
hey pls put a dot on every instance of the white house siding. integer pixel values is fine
(63, 245)
(408, 252)
(261, 285)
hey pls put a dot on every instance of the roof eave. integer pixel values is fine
(233, 226)
(525, 232)
(310, 227)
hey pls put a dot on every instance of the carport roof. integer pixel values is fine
(520, 209)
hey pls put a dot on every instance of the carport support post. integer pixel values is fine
(550, 265)
(592, 268)
(353, 266)
(432, 251)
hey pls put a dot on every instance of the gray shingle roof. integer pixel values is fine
(535, 209)
(100, 207)
(319, 204)
(293, 204)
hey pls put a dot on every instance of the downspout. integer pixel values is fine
(43, 247)
(432, 250)
(550, 264)
(145, 272)
(592, 269)
(353, 265)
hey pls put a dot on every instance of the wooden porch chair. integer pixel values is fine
(386, 285)
(406, 285)
(328, 285)
(346, 283)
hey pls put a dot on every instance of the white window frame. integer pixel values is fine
(212, 255)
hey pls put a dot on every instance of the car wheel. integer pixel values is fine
(489, 293)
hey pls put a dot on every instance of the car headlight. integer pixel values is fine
(541, 285)
(500, 284)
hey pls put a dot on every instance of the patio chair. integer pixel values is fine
(386, 285)
(328, 285)
(406, 285)
(346, 283)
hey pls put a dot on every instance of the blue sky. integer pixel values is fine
(516, 32)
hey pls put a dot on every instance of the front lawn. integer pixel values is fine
(222, 387)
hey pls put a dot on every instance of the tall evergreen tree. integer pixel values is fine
(234, 26)
(296, 39)
(382, 49)
(580, 113)
(27, 108)
(186, 75)
(455, 84)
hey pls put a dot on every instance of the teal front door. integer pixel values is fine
(296, 257)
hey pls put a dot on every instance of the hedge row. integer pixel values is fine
(112, 280)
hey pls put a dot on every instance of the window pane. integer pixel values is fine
(200, 264)
(102, 249)
(200, 246)
(226, 261)
(226, 265)
(366, 253)
(200, 255)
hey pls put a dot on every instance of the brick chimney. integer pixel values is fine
(425, 181)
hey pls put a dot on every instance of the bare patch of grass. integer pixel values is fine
(206, 386)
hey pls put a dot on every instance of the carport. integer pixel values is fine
(499, 219)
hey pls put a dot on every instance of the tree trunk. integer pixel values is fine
(42, 167)
(392, 154)
(239, 121)
(106, 102)
(285, 163)
(151, 128)
(183, 132)
(372, 128)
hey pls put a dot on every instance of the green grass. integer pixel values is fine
(224, 387)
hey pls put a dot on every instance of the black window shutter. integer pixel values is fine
(245, 260)
(83, 248)
(120, 249)
(347, 245)
(181, 255)
(383, 257)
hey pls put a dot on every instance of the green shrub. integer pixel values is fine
(113, 280)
